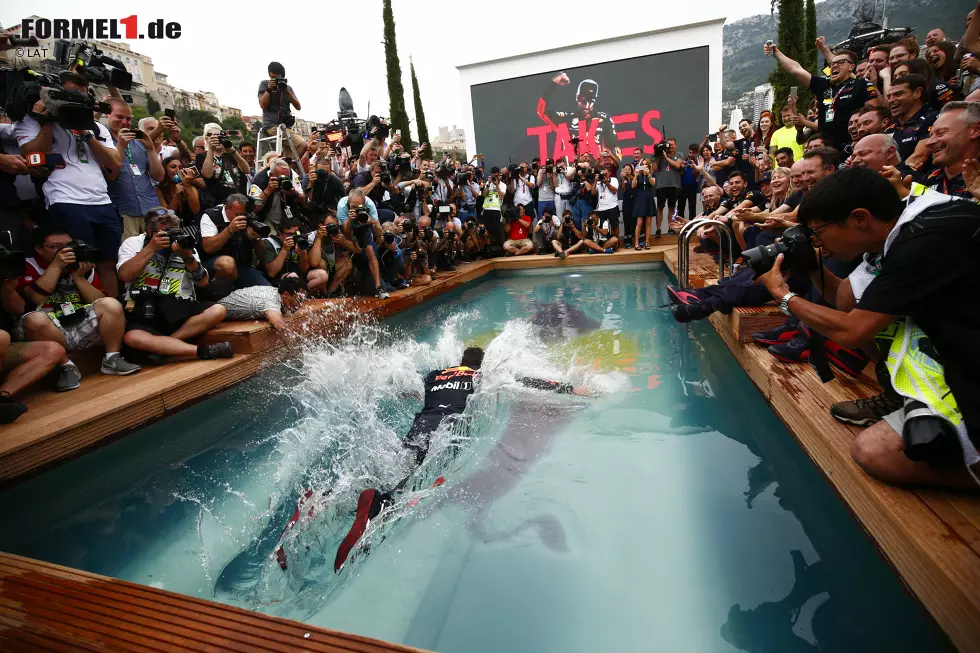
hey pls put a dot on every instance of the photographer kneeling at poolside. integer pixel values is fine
(918, 297)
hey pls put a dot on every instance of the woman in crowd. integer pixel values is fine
(764, 130)
(177, 192)
(943, 83)
(754, 226)
(224, 170)
(644, 203)
(629, 199)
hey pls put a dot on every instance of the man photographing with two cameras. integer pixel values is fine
(916, 291)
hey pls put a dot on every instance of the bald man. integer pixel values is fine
(875, 151)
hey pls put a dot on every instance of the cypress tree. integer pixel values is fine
(790, 39)
(396, 93)
(419, 113)
(813, 59)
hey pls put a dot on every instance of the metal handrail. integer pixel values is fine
(683, 249)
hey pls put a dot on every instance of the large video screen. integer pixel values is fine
(625, 104)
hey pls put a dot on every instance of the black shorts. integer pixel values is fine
(612, 215)
(668, 195)
(170, 314)
(417, 439)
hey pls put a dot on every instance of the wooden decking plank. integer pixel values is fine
(14, 637)
(287, 635)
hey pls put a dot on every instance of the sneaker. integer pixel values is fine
(381, 293)
(865, 412)
(628, 245)
(797, 350)
(609, 250)
(777, 336)
(671, 232)
(656, 234)
(214, 351)
(10, 410)
(849, 361)
(562, 254)
(558, 254)
(69, 378)
(119, 365)
(684, 313)
(401, 284)
(450, 267)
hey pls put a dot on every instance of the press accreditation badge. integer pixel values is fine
(828, 110)
(135, 169)
(287, 212)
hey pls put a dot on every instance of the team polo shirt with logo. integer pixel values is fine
(955, 186)
(913, 130)
(836, 103)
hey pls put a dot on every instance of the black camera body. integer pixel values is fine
(84, 253)
(285, 182)
(303, 242)
(385, 177)
(660, 149)
(92, 63)
(389, 238)
(428, 234)
(183, 240)
(795, 245)
(333, 229)
(144, 303)
(429, 176)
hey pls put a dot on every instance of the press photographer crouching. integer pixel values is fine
(358, 217)
(230, 230)
(476, 240)
(330, 253)
(375, 182)
(917, 298)
(71, 309)
(161, 270)
(277, 193)
(518, 243)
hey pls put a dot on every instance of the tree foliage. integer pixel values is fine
(152, 105)
(810, 37)
(420, 115)
(192, 124)
(396, 92)
(791, 36)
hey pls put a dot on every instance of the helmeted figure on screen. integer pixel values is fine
(585, 122)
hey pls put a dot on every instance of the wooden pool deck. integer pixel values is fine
(931, 537)
(46, 607)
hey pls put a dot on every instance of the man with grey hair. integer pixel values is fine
(954, 142)
(198, 145)
(163, 313)
(875, 151)
(278, 193)
(358, 217)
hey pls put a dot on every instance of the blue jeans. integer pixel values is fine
(580, 211)
(98, 225)
(247, 277)
(390, 264)
(467, 213)
(546, 205)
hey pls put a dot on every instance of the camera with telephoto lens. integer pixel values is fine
(93, 64)
(256, 225)
(333, 229)
(660, 149)
(429, 176)
(450, 234)
(514, 168)
(144, 301)
(389, 238)
(462, 178)
(569, 222)
(183, 240)
(303, 241)
(385, 177)
(428, 234)
(361, 215)
(794, 244)
(285, 183)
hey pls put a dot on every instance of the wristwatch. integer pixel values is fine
(784, 302)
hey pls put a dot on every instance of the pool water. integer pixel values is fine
(672, 512)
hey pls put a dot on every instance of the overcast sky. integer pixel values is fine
(223, 49)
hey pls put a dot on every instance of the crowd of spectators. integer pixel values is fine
(860, 220)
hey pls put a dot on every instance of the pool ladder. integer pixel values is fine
(683, 250)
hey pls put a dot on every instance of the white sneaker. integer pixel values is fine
(381, 293)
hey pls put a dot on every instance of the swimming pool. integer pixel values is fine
(674, 512)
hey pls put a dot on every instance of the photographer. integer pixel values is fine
(376, 183)
(71, 309)
(476, 240)
(597, 236)
(359, 218)
(493, 195)
(469, 192)
(325, 189)
(227, 231)
(563, 187)
(277, 193)
(523, 188)
(276, 98)
(435, 245)
(546, 183)
(391, 261)
(545, 233)
(582, 187)
(288, 255)
(569, 238)
(690, 183)
(518, 244)
(76, 196)
(444, 191)
(927, 254)
(177, 192)
(160, 277)
(607, 206)
(331, 254)
(222, 167)
(131, 185)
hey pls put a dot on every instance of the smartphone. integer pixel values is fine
(194, 168)
(398, 132)
(139, 133)
(105, 107)
(793, 92)
(170, 113)
(712, 138)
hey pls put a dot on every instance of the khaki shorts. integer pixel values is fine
(293, 136)
(133, 225)
(80, 335)
(519, 244)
